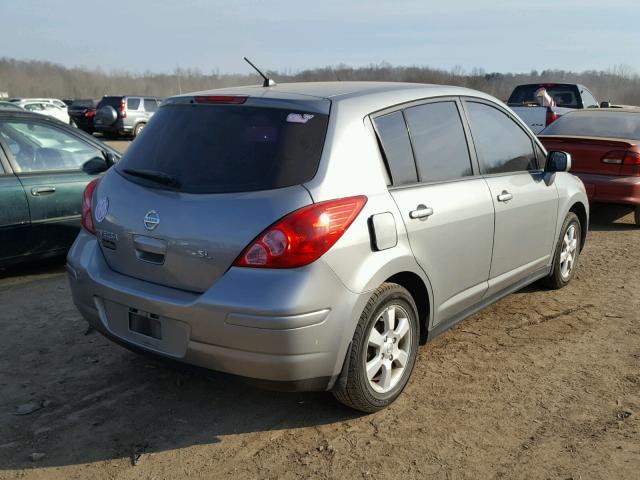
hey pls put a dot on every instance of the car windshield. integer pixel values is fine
(564, 95)
(594, 123)
(228, 148)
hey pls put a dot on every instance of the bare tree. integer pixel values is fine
(620, 84)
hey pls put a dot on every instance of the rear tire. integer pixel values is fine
(383, 351)
(565, 259)
(138, 129)
(636, 216)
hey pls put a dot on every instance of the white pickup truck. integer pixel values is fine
(565, 97)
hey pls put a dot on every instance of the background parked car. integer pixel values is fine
(43, 107)
(605, 153)
(41, 183)
(124, 115)
(54, 101)
(566, 97)
(81, 113)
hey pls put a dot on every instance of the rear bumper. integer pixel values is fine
(287, 326)
(612, 189)
(115, 128)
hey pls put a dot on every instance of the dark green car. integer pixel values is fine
(44, 168)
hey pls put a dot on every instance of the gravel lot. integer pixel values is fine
(543, 384)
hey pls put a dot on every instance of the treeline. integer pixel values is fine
(45, 79)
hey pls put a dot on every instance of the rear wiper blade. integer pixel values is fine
(158, 177)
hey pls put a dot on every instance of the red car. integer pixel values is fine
(605, 148)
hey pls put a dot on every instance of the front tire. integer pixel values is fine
(383, 351)
(636, 216)
(565, 259)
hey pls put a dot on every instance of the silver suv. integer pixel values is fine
(310, 236)
(124, 115)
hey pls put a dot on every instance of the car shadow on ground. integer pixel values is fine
(140, 406)
(50, 266)
(606, 218)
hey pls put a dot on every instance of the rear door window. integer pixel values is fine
(394, 137)
(150, 105)
(502, 146)
(133, 103)
(228, 148)
(439, 142)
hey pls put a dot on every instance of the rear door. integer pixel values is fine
(15, 224)
(445, 205)
(47, 160)
(526, 207)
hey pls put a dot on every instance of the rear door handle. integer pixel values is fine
(421, 212)
(37, 191)
(505, 196)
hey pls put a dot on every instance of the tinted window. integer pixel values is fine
(111, 101)
(38, 148)
(133, 103)
(439, 142)
(223, 148)
(393, 135)
(564, 95)
(150, 105)
(597, 123)
(502, 146)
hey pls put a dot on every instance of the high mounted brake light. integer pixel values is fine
(221, 99)
(302, 236)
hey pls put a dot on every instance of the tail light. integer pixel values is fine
(614, 157)
(303, 236)
(87, 196)
(89, 113)
(629, 161)
(123, 110)
(551, 117)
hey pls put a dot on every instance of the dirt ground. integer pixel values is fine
(541, 385)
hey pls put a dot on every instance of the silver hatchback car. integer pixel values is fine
(310, 236)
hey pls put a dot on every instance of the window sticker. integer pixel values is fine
(299, 117)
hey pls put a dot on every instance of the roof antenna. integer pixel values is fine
(267, 81)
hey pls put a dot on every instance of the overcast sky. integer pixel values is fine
(160, 35)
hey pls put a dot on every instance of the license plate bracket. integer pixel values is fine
(144, 323)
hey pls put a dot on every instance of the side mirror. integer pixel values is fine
(558, 162)
(95, 165)
(606, 104)
(110, 159)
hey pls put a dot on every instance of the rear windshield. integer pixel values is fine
(623, 125)
(564, 95)
(112, 101)
(83, 103)
(228, 148)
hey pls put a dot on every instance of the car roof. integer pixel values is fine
(370, 96)
(628, 109)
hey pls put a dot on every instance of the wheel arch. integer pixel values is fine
(580, 211)
(420, 293)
